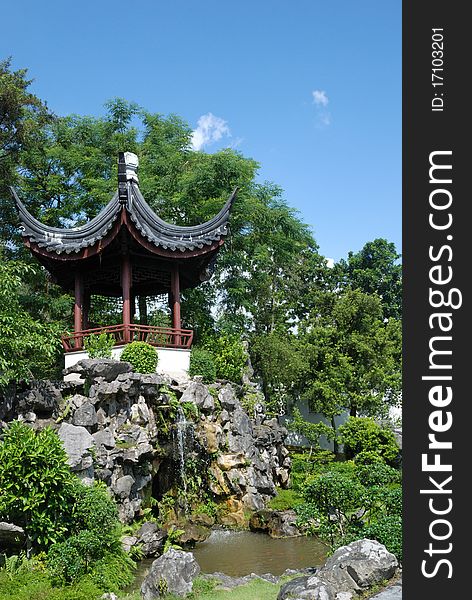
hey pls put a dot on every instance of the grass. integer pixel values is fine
(35, 585)
(254, 590)
(285, 499)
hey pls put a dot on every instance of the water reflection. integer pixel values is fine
(239, 553)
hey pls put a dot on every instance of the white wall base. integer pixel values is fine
(171, 361)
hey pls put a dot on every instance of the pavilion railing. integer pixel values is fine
(162, 337)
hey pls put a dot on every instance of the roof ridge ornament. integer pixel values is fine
(128, 164)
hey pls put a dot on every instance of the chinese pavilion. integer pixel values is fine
(127, 251)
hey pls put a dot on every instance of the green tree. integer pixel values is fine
(354, 356)
(27, 346)
(281, 362)
(375, 270)
(35, 483)
(23, 117)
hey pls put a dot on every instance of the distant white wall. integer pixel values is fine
(171, 361)
(295, 439)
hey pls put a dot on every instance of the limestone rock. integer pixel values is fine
(228, 399)
(85, 416)
(77, 442)
(151, 538)
(277, 523)
(193, 533)
(43, 398)
(128, 541)
(104, 437)
(108, 369)
(359, 565)
(198, 393)
(171, 573)
(230, 461)
(122, 486)
(310, 587)
(12, 537)
(351, 570)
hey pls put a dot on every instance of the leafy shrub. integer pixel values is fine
(285, 500)
(202, 363)
(368, 457)
(230, 357)
(35, 483)
(363, 434)
(142, 356)
(334, 493)
(378, 475)
(388, 531)
(99, 346)
(93, 510)
(37, 585)
(113, 572)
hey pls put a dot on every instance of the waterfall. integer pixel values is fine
(183, 431)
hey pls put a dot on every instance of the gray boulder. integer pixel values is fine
(92, 368)
(197, 393)
(151, 538)
(43, 398)
(12, 537)
(277, 523)
(351, 570)
(171, 573)
(310, 587)
(228, 399)
(85, 416)
(77, 442)
(122, 486)
(359, 565)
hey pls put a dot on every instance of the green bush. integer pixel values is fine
(334, 493)
(99, 346)
(285, 499)
(388, 531)
(202, 363)
(230, 357)
(93, 510)
(378, 475)
(113, 572)
(35, 483)
(364, 435)
(142, 356)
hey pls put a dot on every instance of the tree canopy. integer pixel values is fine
(329, 335)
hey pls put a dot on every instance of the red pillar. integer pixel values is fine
(126, 290)
(175, 296)
(86, 309)
(78, 306)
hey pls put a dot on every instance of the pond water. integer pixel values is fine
(238, 553)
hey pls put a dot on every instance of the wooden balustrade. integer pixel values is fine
(162, 337)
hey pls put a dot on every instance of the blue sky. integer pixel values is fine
(310, 89)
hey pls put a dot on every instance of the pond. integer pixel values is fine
(238, 553)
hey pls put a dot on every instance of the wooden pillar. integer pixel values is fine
(78, 306)
(143, 314)
(126, 291)
(86, 309)
(175, 299)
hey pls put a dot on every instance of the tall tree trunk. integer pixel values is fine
(335, 440)
(353, 411)
(143, 312)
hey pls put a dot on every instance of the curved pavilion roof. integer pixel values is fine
(127, 224)
(158, 232)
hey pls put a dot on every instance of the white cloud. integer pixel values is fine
(320, 98)
(321, 101)
(209, 129)
(330, 263)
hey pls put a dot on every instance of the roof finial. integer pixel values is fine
(127, 171)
